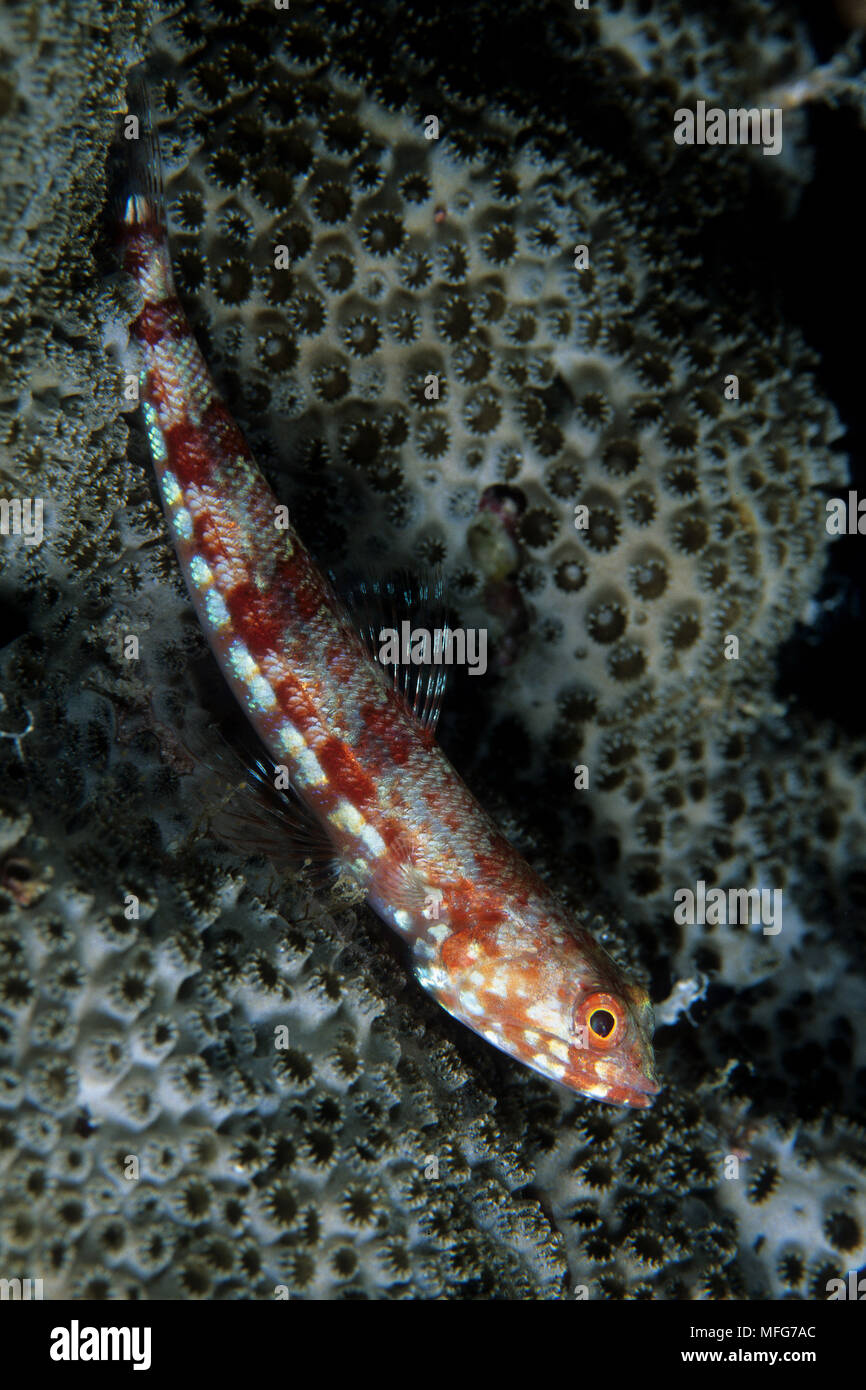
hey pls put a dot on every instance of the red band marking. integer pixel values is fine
(342, 770)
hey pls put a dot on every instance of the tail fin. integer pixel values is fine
(137, 195)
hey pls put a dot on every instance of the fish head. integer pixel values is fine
(561, 1007)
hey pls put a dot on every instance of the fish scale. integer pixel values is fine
(486, 937)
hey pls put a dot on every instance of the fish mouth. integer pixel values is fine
(634, 1088)
(636, 1080)
(631, 1082)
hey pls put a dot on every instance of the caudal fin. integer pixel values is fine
(137, 195)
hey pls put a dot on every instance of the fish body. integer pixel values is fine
(487, 938)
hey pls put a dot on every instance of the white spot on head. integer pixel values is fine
(493, 1033)
(543, 1015)
(607, 1070)
(432, 978)
(545, 1063)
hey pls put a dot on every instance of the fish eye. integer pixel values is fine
(601, 1018)
(601, 1022)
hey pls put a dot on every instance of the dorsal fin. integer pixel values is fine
(384, 603)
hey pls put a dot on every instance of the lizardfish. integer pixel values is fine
(485, 936)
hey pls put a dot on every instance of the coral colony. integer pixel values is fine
(465, 320)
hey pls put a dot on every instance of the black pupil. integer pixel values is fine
(602, 1022)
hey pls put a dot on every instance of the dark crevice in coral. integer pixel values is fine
(823, 275)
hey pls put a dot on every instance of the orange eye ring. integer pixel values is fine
(601, 1018)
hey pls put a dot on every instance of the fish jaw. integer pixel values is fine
(546, 1008)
